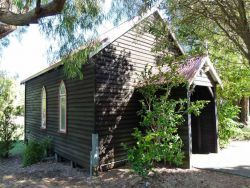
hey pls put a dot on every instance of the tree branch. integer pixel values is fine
(32, 16)
(234, 40)
(6, 29)
(38, 6)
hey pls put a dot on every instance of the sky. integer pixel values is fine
(28, 56)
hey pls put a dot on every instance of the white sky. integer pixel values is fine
(25, 57)
(28, 56)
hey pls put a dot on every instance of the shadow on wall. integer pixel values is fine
(116, 104)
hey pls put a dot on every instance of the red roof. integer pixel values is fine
(190, 67)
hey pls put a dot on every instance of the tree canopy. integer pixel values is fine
(218, 18)
(194, 21)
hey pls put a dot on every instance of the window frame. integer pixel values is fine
(43, 126)
(62, 83)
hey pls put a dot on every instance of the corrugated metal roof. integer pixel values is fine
(189, 68)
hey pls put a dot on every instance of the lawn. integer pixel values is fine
(18, 148)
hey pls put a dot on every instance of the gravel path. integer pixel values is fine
(234, 159)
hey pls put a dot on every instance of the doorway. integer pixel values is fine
(203, 127)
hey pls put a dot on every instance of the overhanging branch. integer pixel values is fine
(32, 16)
(6, 29)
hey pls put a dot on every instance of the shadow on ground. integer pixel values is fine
(242, 170)
(234, 159)
(52, 174)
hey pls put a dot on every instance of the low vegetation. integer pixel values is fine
(242, 134)
(35, 151)
(229, 127)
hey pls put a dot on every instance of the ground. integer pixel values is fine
(234, 159)
(52, 174)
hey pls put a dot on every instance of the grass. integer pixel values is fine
(18, 148)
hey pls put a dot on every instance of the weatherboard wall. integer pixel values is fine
(75, 145)
(117, 68)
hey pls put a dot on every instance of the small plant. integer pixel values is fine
(35, 151)
(47, 144)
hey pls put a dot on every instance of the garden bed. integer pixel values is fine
(52, 174)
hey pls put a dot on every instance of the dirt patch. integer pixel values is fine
(52, 174)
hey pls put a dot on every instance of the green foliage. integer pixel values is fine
(228, 125)
(74, 29)
(236, 80)
(160, 141)
(157, 138)
(197, 21)
(35, 151)
(194, 26)
(19, 111)
(243, 134)
(47, 145)
(73, 64)
(8, 129)
(236, 84)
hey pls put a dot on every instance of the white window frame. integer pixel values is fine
(43, 117)
(62, 130)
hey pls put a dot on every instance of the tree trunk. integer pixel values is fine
(244, 104)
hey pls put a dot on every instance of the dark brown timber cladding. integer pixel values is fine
(75, 145)
(117, 103)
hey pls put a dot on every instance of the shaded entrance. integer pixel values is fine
(204, 126)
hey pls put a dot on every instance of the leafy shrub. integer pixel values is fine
(35, 151)
(160, 140)
(8, 135)
(228, 125)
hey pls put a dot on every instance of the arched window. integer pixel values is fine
(43, 108)
(62, 107)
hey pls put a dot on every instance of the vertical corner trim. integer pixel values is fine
(94, 155)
